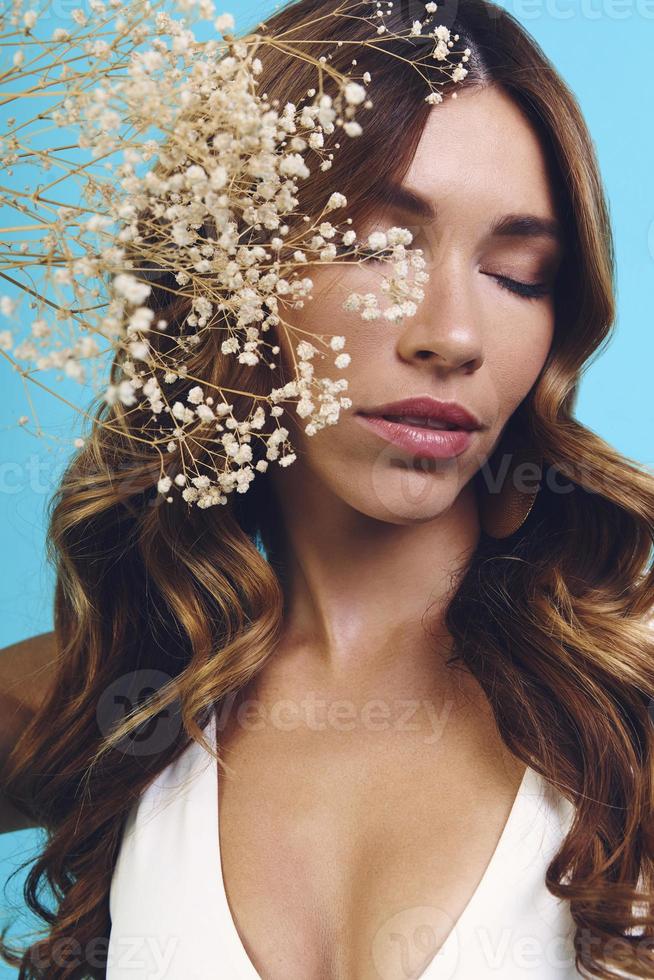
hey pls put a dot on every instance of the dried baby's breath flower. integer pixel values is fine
(184, 179)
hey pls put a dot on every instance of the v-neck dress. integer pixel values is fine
(171, 919)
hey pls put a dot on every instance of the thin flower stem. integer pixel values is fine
(162, 230)
(23, 228)
(81, 411)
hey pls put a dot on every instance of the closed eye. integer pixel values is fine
(528, 290)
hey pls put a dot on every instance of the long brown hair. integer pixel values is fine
(551, 621)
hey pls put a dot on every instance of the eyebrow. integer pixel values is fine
(508, 226)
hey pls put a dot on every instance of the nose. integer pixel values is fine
(445, 333)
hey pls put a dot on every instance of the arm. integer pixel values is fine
(26, 669)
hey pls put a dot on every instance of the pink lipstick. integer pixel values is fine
(423, 426)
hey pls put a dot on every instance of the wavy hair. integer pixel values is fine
(188, 605)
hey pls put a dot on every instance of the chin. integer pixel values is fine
(400, 494)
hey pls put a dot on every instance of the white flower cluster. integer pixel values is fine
(218, 203)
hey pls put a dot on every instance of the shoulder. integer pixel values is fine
(27, 669)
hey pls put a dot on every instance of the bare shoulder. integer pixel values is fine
(27, 669)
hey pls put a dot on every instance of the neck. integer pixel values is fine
(364, 598)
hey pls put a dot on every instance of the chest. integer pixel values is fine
(349, 857)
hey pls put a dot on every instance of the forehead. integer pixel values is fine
(481, 148)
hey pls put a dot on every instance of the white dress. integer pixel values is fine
(171, 919)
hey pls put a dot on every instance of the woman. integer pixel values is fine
(423, 658)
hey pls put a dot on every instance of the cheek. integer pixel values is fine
(515, 342)
(323, 316)
(515, 338)
(515, 356)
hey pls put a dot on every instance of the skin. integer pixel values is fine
(352, 504)
(371, 545)
(352, 837)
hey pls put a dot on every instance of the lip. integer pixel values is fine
(431, 443)
(431, 408)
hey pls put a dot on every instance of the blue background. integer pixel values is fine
(603, 49)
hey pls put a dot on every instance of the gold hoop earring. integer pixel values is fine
(503, 511)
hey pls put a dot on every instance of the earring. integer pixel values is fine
(503, 511)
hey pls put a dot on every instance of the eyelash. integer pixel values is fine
(526, 290)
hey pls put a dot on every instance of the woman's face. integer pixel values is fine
(472, 340)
